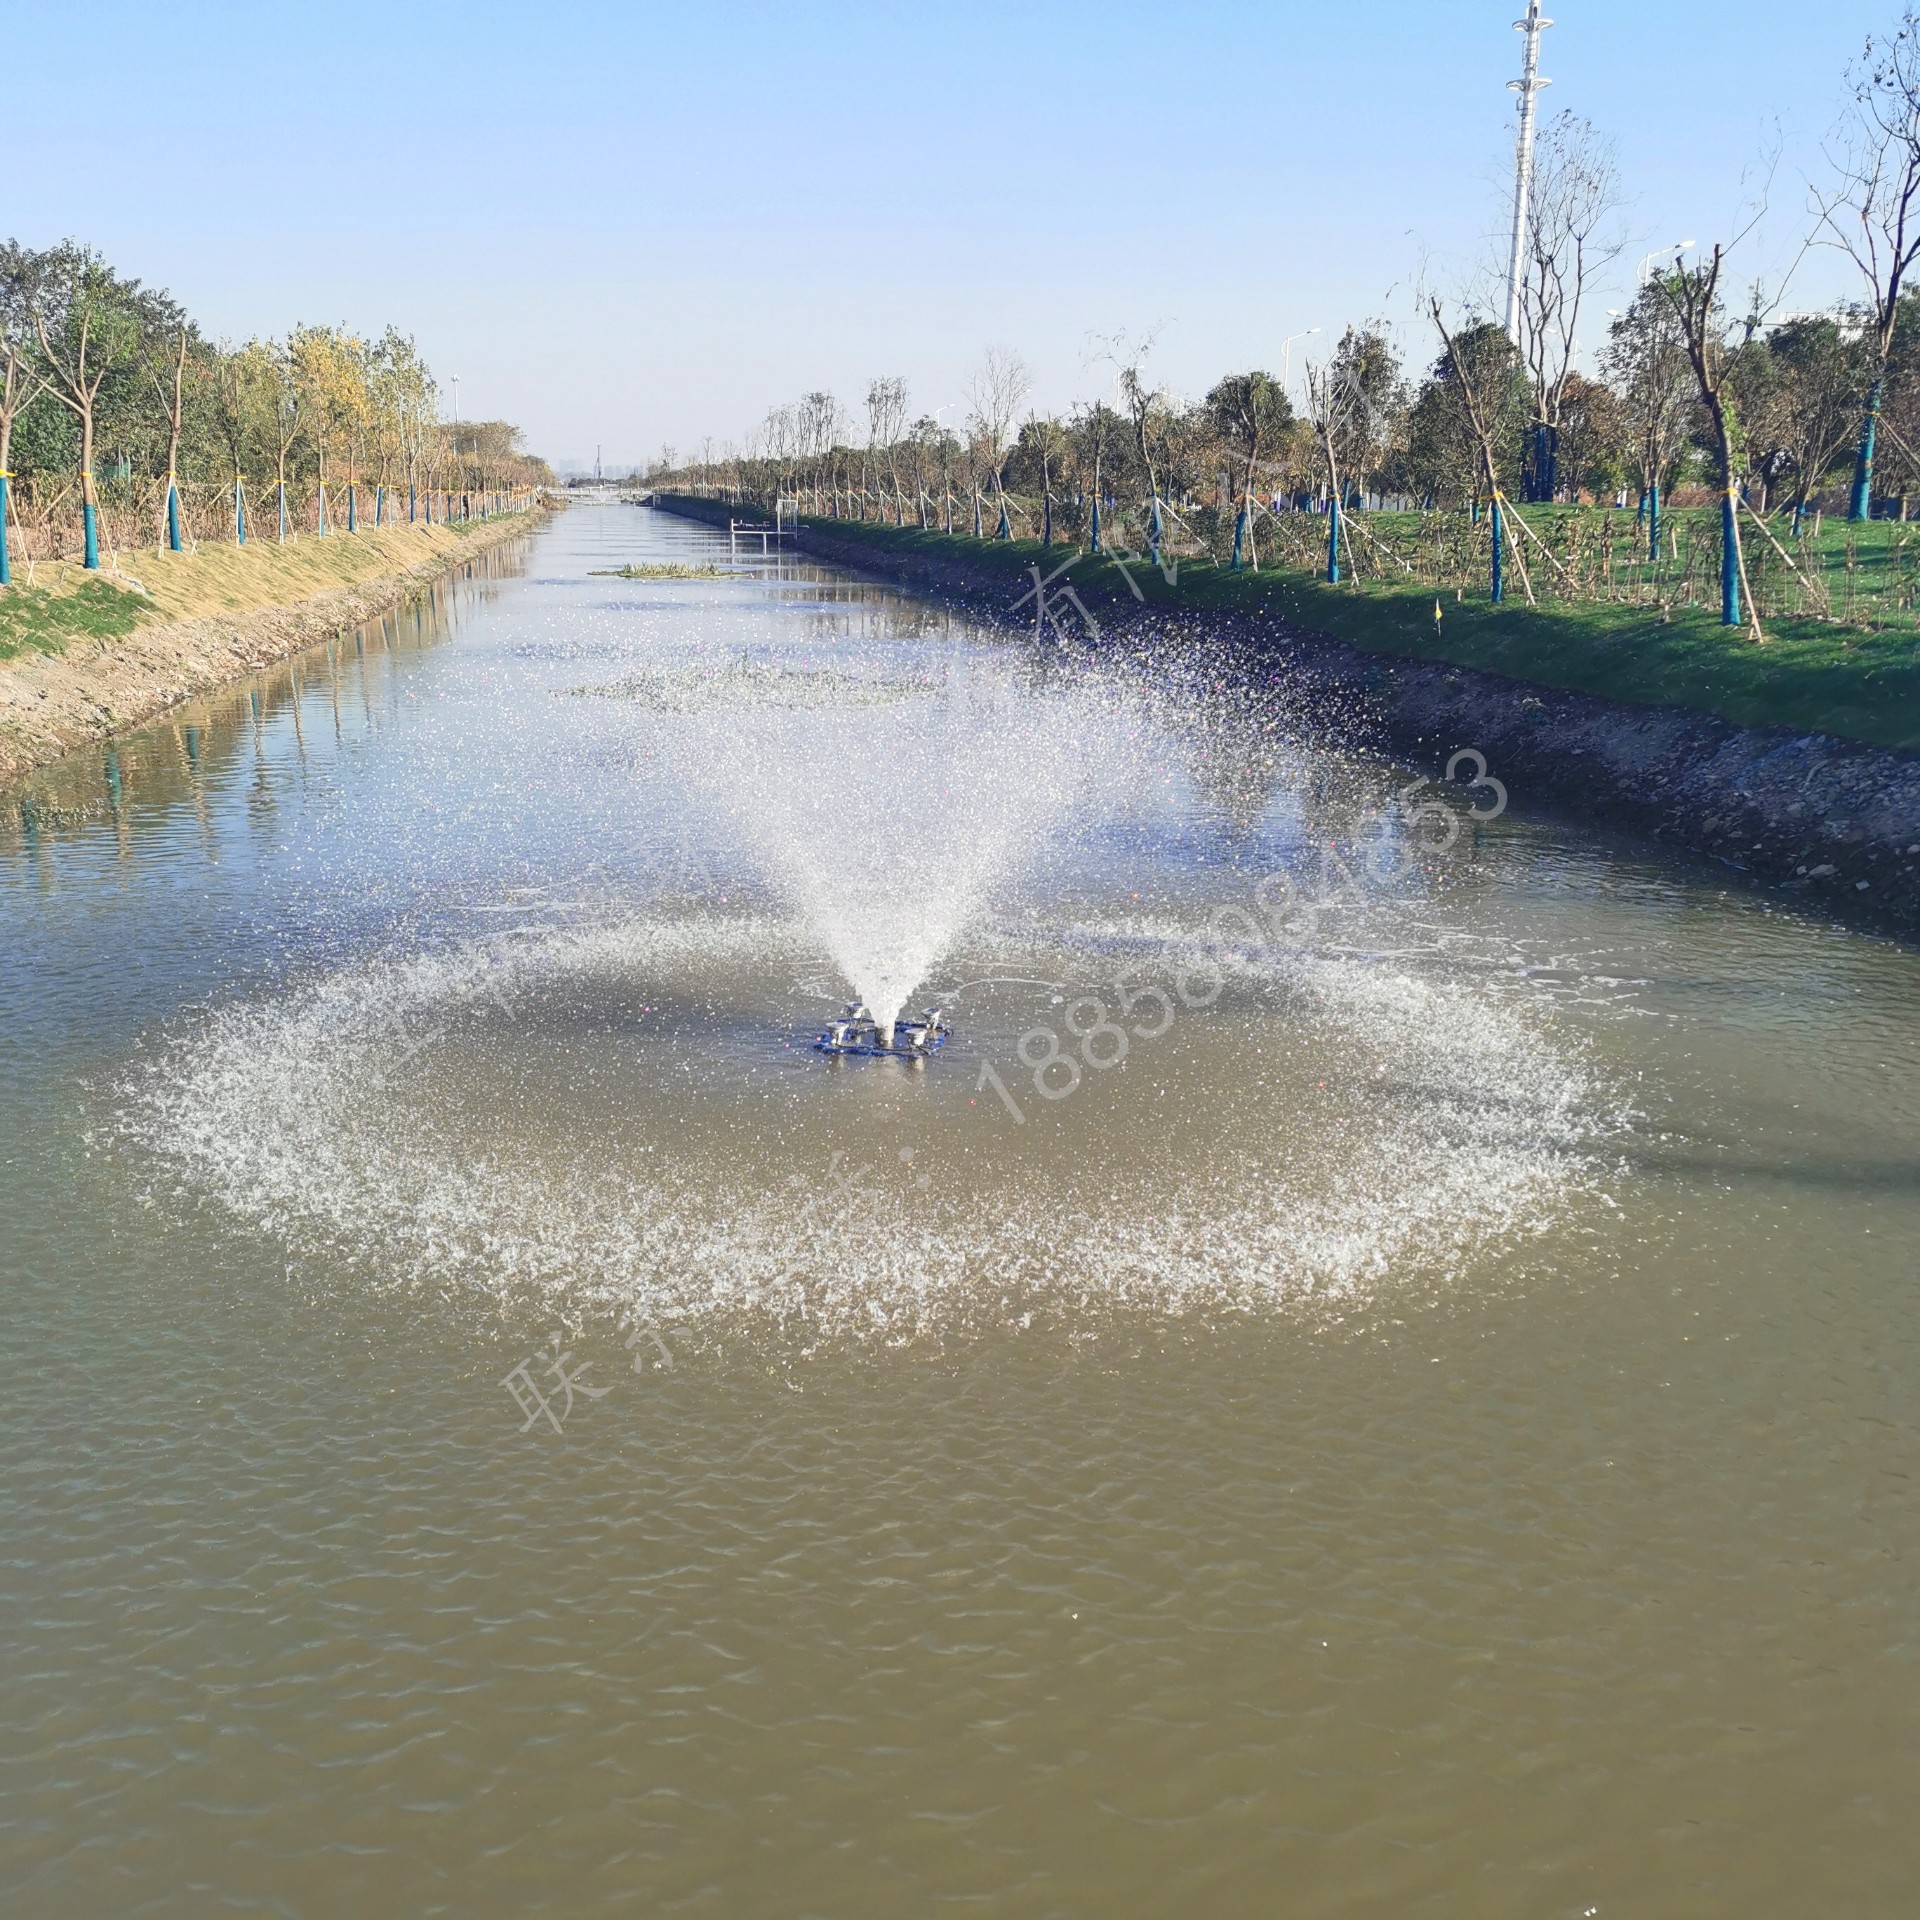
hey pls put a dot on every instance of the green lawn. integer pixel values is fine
(33, 620)
(1814, 675)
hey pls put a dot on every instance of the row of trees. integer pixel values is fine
(1693, 394)
(122, 425)
(1464, 427)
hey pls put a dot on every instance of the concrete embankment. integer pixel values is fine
(103, 653)
(1820, 819)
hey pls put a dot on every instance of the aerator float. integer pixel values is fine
(857, 1031)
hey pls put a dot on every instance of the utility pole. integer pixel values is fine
(1526, 87)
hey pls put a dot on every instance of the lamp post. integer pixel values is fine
(1286, 357)
(1659, 253)
(1286, 375)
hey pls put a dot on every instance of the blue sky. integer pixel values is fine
(639, 224)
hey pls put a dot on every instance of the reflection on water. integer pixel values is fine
(344, 688)
(1377, 1361)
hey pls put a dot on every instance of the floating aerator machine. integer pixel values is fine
(857, 1031)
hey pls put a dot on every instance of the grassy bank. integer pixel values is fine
(63, 602)
(84, 657)
(1811, 675)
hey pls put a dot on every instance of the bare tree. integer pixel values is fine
(1872, 213)
(820, 422)
(782, 440)
(886, 417)
(1047, 439)
(1475, 389)
(1693, 293)
(170, 391)
(1572, 234)
(995, 392)
(1335, 404)
(1143, 401)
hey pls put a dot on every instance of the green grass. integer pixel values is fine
(1860, 682)
(33, 620)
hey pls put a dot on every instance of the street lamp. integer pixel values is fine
(1679, 247)
(456, 399)
(1286, 356)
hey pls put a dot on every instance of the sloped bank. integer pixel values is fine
(1818, 818)
(122, 660)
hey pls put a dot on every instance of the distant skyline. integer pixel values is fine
(635, 225)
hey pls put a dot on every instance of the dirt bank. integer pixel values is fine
(262, 606)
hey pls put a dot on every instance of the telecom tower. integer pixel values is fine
(1526, 87)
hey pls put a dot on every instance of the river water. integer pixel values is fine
(1374, 1374)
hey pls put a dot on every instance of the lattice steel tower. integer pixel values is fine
(1527, 86)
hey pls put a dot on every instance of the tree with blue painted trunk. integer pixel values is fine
(407, 407)
(1813, 407)
(886, 415)
(1329, 405)
(1871, 213)
(1645, 360)
(287, 416)
(1573, 231)
(1041, 447)
(1147, 410)
(1342, 396)
(1249, 412)
(242, 388)
(998, 386)
(1481, 369)
(330, 367)
(169, 385)
(1096, 432)
(1353, 399)
(1693, 293)
(88, 323)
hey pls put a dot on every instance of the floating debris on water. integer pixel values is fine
(659, 570)
(757, 683)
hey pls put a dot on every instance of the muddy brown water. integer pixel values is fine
(1409, 1409)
